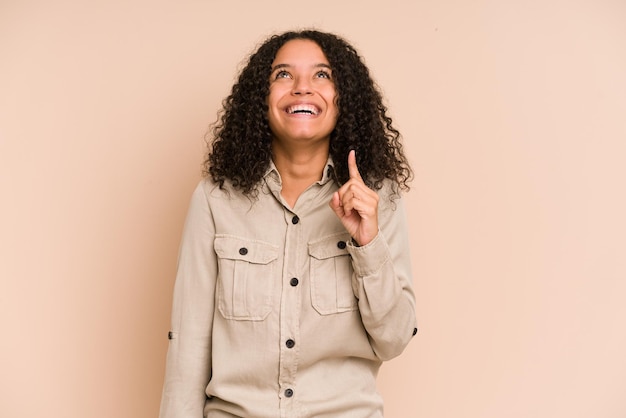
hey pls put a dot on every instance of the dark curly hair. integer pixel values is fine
(240, 151)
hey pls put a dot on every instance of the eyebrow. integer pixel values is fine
(320, 65)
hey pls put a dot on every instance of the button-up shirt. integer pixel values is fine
(277, 312)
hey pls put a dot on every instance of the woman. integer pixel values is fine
(294, 279)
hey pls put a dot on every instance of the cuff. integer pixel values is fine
(369, 259)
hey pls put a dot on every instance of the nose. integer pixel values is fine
(301, 86)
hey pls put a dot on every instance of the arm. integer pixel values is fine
(382, 264)
(382, 283)
(188, 366)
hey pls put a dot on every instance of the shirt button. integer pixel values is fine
(295, 220)
(290, 343)
(243, 251)
(341, 245)
(293, 282)
(289, 393)
(414, 331)
(170, 335)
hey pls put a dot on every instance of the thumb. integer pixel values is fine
(353, 170)
(335, 204)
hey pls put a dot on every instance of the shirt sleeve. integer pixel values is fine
(188, 364)
(382, 282)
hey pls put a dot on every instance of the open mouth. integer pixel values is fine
(303, 109)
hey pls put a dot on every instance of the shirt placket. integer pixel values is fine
(291, 297)
(289, 316)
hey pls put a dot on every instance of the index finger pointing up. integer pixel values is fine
(352, 168)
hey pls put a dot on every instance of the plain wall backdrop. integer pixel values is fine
(513, 114)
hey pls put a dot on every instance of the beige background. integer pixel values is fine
(513, 116)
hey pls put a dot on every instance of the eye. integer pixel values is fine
(282, 74)
(322, 74)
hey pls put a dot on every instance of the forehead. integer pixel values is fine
(300, 51)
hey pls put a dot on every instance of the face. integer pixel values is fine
(302, 94)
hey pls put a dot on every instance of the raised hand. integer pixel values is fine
(356, 205)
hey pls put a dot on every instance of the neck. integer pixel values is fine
(299, 169)
(300, 163)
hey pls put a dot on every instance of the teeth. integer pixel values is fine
(306, 109)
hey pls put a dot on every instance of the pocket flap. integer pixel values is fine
(237, 248)
(330, 246)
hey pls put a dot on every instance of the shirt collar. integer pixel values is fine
(328, 174)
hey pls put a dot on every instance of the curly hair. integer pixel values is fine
(240, 151)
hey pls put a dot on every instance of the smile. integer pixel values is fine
(303, 109)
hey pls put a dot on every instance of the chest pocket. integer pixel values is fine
(331, 275)
(245, 278)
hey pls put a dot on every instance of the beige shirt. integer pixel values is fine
(277, 314)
